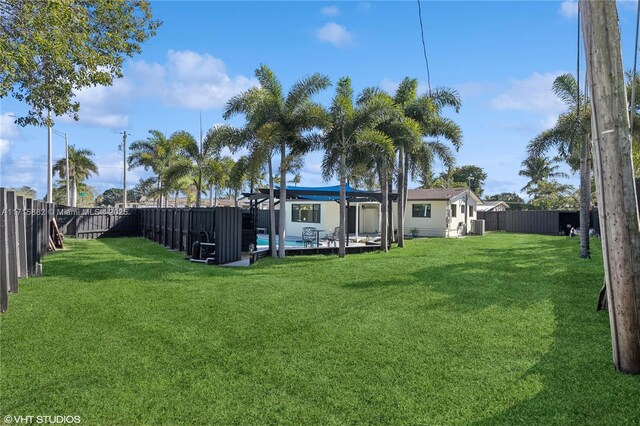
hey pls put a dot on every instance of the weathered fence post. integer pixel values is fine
(12, 241)
(22, 237)
(4, 259)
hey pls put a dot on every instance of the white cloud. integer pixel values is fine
(104, 105)
(5, 145)
(533, 94)
(25, 170)
(569, 8)
(110, 171)
(8, 131)
(330, 11)
(335, 34)
(190, 80)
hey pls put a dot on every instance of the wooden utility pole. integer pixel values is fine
(124, 175)
(615, 184)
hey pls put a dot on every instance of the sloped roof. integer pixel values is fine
(434, 193)
(488, 205)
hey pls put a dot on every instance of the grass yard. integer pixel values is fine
(500, 329)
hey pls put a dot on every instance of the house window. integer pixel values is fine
(462, 208)
(421, 210)
(470, 211)
(308, 213)
(454, 210)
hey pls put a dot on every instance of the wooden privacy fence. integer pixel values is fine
(24, 239)
(88, 223)
(175, 228)
(179, 228)
(546, 222)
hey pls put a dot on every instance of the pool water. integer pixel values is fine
(263, 240)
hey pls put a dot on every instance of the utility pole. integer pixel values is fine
(124, 170)
(66, 150)
(49, 160)
(615, 185)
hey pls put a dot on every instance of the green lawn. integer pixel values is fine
(500, 329)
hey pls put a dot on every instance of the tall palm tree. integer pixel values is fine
(351, 128)
(81, 167)
(570, 137)
(260, 137)
(417, 155)
(293, 117)
(539, 169)
(198, 160)
(157, 153)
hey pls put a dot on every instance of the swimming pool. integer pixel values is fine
(263, 241)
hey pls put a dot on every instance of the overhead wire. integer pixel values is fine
(424, 46)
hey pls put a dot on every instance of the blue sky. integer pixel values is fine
(502, 57)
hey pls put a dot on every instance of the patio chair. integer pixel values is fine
(308, 236)
(333, 237)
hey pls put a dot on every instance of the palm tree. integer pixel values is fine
(81, 166)
(157, 153)
(417, 155)
(260, 137)
(198, 160)
(539, 169)
(351, 129)
(292, 116)
(570, 137)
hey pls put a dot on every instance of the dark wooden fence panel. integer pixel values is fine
(24, 239)
(228, 234)
(12, 242)
(262, 221)
(21, 230)
(88, 223)
(546, 222)
(4, 253)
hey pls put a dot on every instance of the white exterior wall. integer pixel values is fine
(455, 221)
(329, 218)
(433, 226)
(436, 225)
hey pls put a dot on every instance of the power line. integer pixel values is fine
(424, 46)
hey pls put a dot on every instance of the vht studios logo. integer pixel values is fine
(41, 420)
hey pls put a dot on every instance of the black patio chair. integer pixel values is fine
(308, 236)
(333, 237)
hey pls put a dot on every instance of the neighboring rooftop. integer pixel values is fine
(490, 205)
(434, 193)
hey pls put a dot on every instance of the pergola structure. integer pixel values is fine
(326, 193)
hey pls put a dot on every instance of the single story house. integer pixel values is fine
(435, 212)
(439, 212)
(493, 206)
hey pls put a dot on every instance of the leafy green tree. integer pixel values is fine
(539, 169)
(25, 191)
(81, 167)
(157, 153)
(50, 49)
(551, 195)
(60, 194)
(113, 196)
(472, 176)
(351, 128)
(293, 117)
(515, 201)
